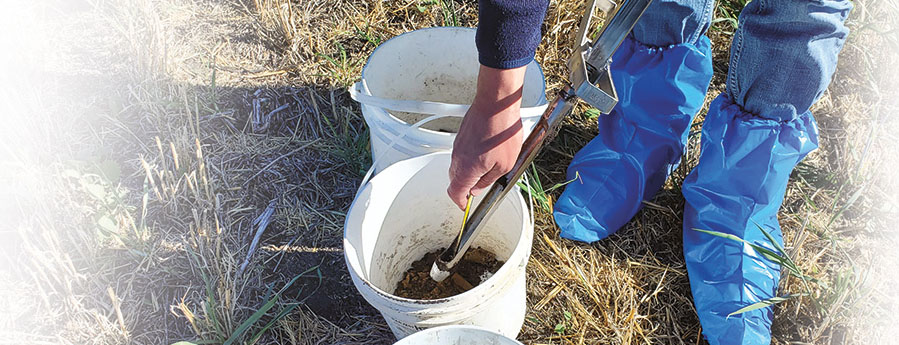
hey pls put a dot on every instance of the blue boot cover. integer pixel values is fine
(737, 187)
(640, 141)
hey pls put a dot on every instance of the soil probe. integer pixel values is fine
(590, 81)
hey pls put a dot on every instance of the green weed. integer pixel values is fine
(535, 189)
(352, 145)
(257, 316)
(447, 10)
(778, 255)
(592, 113)
(239, 334)
(768, 302)
(563, 326)
(343, 68)
(366, 36)
(113, 215)
(727, 14)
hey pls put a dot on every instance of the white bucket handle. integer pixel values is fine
(359, 93)
(374, 163)
(356, 92)
(392, 142)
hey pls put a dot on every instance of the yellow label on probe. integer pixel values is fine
(464, 219)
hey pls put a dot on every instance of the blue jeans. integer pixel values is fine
(783, 56)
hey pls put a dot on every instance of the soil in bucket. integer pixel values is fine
(476, 266)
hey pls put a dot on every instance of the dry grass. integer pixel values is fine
(164, 137)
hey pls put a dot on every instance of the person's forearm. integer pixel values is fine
(490, 135)
(500, 88)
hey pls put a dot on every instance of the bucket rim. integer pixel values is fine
(426, 332)
(520, 251)
(395, 119)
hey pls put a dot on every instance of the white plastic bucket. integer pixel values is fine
(457, 335)
(403, 213)
(428, 72)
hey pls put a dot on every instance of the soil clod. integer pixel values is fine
(476, 265)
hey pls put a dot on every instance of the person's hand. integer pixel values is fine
(490, 137)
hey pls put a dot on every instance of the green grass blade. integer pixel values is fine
(768, 302)
(790, 264)
(271, 323)
(266, 307)
(290, 307)
(852, 199)
(535, 188)
(252, 320)
(330, 59)
(773, 241)
(210, 309)
(577, 176)
(721, 234)
(809, 201)
(782, 259)
(767, 253)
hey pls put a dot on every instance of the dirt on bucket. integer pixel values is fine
(476, 266)
(442, 88)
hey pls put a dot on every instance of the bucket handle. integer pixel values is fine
(359, 93)
(359, 90)
(374, 163)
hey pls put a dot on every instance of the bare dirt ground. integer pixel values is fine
(180, 171)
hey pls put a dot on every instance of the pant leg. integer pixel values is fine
(783, 56)
(672, 22)
(662, 72)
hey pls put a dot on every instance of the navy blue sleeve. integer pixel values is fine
(509, 31)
